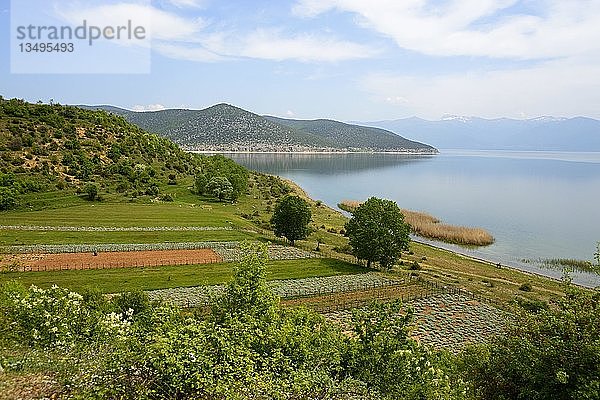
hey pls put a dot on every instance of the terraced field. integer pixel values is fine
(303, 287)
(446, 320)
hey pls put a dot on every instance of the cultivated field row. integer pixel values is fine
(116, 228)
(39, 258)
(317, 286)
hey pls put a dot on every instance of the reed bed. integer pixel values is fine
(428, 226)
(562, 263)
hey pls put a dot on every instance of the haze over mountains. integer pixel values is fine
(223, 127)
(536, 134)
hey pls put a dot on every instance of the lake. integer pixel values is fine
(536, 204)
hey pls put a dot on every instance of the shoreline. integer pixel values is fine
(495, 264)
(409, 153)
(440, 246)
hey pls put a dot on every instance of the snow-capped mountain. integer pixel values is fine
(543, 133)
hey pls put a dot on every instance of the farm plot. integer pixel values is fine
(200, 295)
(115, 247)
(446, 320)
(100, 256)
(104, 260)
(454, 320)
(275, 252)
(347, 300)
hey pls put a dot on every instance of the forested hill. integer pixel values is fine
(353, 136)
(53, 147)
(227, 128)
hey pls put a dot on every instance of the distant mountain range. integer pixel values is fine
(227, 128)
(541, 134)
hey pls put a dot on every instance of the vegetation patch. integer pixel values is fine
(568, 263)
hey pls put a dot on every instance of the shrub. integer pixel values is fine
(137, 301)
(8, 198)
(152, 190)
(166, 197)
(526, 287)
(91, 191)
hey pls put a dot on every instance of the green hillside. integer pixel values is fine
(354, 137)
(54, 148)
(227, 128)
(222, 127)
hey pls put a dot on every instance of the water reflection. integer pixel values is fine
(324, 164)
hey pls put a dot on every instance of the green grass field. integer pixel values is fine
(127, 279)
(130, 214)
(18, 237)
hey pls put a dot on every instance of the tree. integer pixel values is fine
(91, 191)
(248, 293)
(220, 187)
(200, 183)
(377, 232)
(291, 217)
(8, 198)
(393, 365)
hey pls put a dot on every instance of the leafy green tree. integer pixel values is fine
(291, 218)
(392, 364)
(91, 191)
(218, 165)
(8, 198)
(200, 183)
(377, 232)
(248, 293)
(553, 353)
(220, 187)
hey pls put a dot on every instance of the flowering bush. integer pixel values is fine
(57, 317)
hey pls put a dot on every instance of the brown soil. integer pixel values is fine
(117, 259)
(28, 387)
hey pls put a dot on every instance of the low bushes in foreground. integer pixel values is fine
(246, 347)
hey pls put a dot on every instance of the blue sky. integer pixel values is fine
(341, 59)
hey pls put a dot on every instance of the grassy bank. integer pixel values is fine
(252, 211)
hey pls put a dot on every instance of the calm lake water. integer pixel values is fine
(536, 205)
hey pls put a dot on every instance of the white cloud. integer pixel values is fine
(272, 45)
(188, 3)
(475, 27)
(560, 88)
(266, 45)
(185, 38)
(187, 52)
(148, 107)
(159, 24)
(290, 113)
